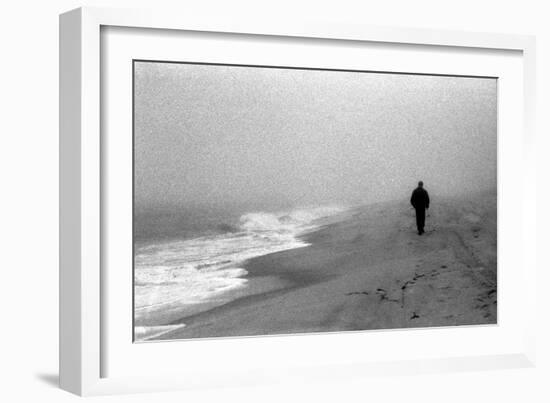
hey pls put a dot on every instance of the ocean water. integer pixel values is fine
(201, 264)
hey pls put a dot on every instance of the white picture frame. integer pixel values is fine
(82, 307)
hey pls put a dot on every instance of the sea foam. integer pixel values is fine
(171, 275)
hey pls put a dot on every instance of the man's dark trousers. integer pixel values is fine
(420, 218)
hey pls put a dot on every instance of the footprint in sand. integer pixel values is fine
(358, 293)
(384, 295)
(408, 283)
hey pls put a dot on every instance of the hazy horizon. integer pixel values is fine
(219, 136)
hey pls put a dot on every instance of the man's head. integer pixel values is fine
(420, 184)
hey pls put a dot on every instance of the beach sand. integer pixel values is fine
(370, 270)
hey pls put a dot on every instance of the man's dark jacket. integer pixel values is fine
(420, 198)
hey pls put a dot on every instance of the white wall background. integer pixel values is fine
(29, 209)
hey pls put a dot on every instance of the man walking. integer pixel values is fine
(420, 201)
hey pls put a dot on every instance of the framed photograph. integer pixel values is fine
(248, 202)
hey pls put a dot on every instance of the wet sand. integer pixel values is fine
(370, 270)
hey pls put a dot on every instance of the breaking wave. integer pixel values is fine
(171, 275)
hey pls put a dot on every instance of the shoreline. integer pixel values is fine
(266, 277)
(368, 270)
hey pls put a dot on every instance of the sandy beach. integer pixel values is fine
(368, 269)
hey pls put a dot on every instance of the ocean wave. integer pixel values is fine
(296, 221)
(174, 274)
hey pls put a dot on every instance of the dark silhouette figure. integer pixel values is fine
(420, 201)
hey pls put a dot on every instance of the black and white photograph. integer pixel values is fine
(272, 200)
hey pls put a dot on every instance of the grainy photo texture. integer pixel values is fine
(275, 200)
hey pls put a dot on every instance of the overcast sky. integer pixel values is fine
(227, 134)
